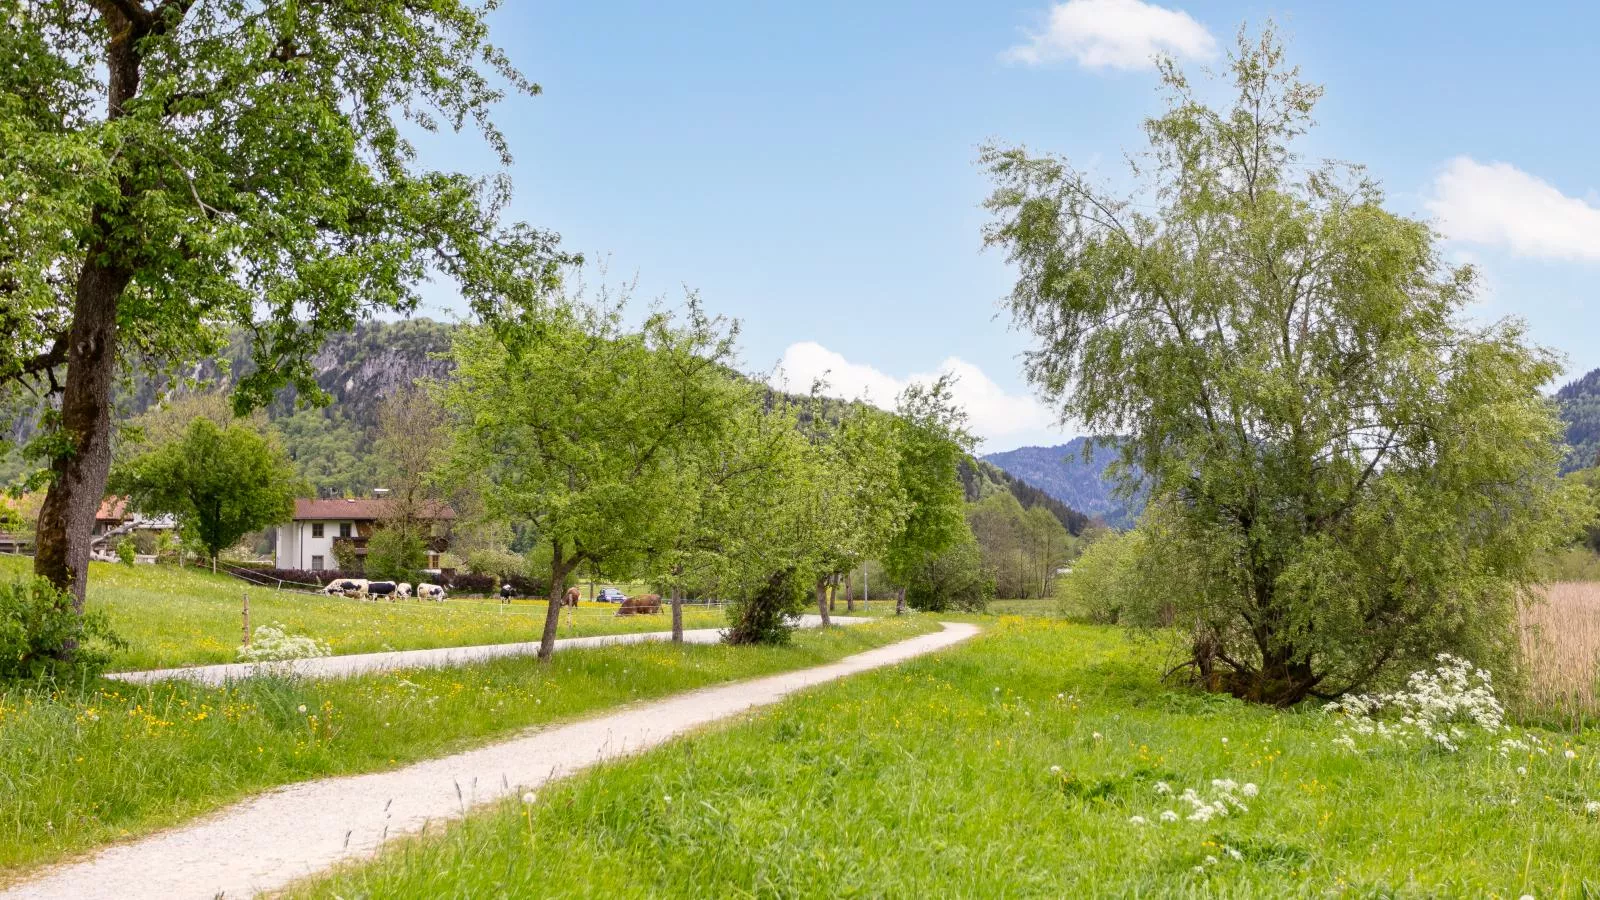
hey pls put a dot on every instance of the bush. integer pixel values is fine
(954, 579)
(127, 553)
(529, 586)
(344, 553)
(503, 563)
(468, 583)
(764, 617)
(395, 554)
(296, 577)
(37, 621)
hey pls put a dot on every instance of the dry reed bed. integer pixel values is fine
(1561, 649)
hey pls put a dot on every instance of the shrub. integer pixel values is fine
(274, 643)
(127, 553)
(764, 617)
(468, 583)
(37, 622)
(344, 553)
(396, 554)
(503, 563)
(529, 586)
(954, 579)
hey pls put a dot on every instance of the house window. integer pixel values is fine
(316, 529)
(344, 529)
(316, 564)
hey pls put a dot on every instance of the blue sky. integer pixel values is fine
(809, 168)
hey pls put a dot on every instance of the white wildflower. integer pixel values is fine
(1249, 789)
(302, 709)
(1055, 770)
(1522, 770)
(1097, 735)
(1233, 854)
(528, 797)
(1163, 788)
(273, 643)
(1138, 820)
(1211, 860)
(666, 798)
(1592, 807)
(1169, 816)
(1570, 754)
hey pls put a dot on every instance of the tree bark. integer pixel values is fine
(677, 614)
(822, 600)
(66, 519)
(849, 592)
(559, 567)
(900, 602)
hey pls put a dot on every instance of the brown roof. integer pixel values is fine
(112, 509)
(364, 509)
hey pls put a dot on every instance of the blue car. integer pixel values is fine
(610, 595)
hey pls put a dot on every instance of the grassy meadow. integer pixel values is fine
(176, 617)
(1031, 761)
(81, 768)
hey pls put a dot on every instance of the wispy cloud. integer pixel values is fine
(994, 415)
(1116, 34)
(1498, 204)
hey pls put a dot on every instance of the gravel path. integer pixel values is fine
(438, 658)
(264, 843)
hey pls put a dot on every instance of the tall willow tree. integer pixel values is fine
(1348, 474)
(171, 169)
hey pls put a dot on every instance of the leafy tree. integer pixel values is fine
(396, 554)
(856, 501)
(219, 482)
(174, 167)
(1352, 476)
(952, 579)
(931, 443)
(568, 422)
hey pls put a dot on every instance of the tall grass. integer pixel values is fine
(1033, 761)
(1561, 653)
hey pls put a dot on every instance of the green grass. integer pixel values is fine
(934, 779)
(79, 770)
(175, 617)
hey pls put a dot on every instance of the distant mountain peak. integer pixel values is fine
(1062, 472)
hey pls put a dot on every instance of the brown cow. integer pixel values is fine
(645, 604)
(571, 599)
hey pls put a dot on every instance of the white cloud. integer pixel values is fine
(1118, 34)
(993, 414)
(1500, 205)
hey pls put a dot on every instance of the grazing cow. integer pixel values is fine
(426, 591)
(377, 590)
(506, 592)
(571, 599)
(350, 587)
(403, 590)
(645, 604)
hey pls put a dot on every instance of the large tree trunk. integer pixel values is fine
(677, 614)
(900, 602)
(822, 600)
(849, 592)
(559, 567)
(66, 519)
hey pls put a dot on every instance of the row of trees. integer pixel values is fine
(643, 449)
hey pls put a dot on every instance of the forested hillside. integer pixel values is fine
(330, 445)
(1579, 403)
(1062, 472)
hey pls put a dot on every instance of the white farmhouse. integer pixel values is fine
(306, 542)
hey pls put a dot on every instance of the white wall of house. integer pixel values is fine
(300, 546)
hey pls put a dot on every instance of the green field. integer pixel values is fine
(79, 770)
(175, 617)
(1013, 766)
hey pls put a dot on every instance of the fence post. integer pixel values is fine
(246, 595)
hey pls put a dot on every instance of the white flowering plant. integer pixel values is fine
(274, 643)
(1442, 706)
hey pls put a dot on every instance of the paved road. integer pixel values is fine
(265, 843)
(438, 658)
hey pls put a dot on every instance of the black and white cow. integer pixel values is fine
(378, 590)
(426, 591)
(350, 587)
